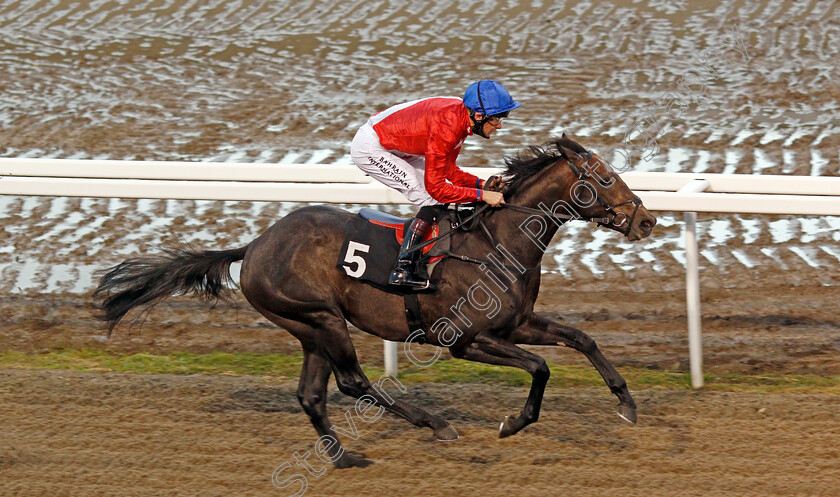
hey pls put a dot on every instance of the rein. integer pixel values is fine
(452, 229)
(636, 201)
(482, 262)
(616, 219)
(560, 218)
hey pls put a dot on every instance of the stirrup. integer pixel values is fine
(403, 276)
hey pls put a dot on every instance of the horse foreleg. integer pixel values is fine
(539, 330)
(491, 350)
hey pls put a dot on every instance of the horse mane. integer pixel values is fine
(535, 158)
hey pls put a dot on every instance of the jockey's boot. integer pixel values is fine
(405, 272)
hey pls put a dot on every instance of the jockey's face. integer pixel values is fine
(490, 126)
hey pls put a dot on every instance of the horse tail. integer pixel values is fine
(146, 281)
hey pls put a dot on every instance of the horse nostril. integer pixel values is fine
(646, 225)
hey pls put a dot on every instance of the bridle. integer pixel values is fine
(616, 219)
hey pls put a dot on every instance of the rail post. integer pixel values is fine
(692, 287)
(391, 357)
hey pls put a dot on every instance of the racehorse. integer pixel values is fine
(289, 275)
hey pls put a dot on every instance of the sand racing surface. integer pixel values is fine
(92, 434)
(290, 82)
(101, 433)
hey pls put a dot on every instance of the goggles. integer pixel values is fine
(498, 118)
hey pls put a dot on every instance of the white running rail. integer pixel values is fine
(327, 183)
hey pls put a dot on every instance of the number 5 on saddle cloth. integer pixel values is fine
(372, 244)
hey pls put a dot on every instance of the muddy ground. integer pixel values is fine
(95, 434)
(69, 433)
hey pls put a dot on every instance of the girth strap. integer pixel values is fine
(412, 316)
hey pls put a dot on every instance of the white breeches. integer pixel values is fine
(402, 172)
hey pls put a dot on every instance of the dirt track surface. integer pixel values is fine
(90, 434)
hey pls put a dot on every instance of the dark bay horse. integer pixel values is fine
(289, 275)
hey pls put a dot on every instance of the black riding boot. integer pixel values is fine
(405, 272)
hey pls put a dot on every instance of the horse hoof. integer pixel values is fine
(507, 429)
(351, 460)
(627, 413)
(447, 434)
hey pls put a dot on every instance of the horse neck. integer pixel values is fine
(507, 225)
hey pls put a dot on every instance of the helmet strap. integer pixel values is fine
(478, 127)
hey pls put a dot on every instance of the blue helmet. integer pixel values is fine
(489, 98)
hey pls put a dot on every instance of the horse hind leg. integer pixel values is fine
(312, 386)
(312, 394)
(352, 381)
(326, 332)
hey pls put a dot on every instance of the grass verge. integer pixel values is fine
(444, 371)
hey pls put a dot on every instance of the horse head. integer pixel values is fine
(600, 192)
(566, 179)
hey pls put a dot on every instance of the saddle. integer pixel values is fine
(372, 244)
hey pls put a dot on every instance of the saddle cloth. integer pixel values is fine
(372, 244)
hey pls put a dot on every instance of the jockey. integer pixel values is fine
(412, 147)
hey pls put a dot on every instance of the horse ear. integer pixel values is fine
(564, 137)
(567, 152)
